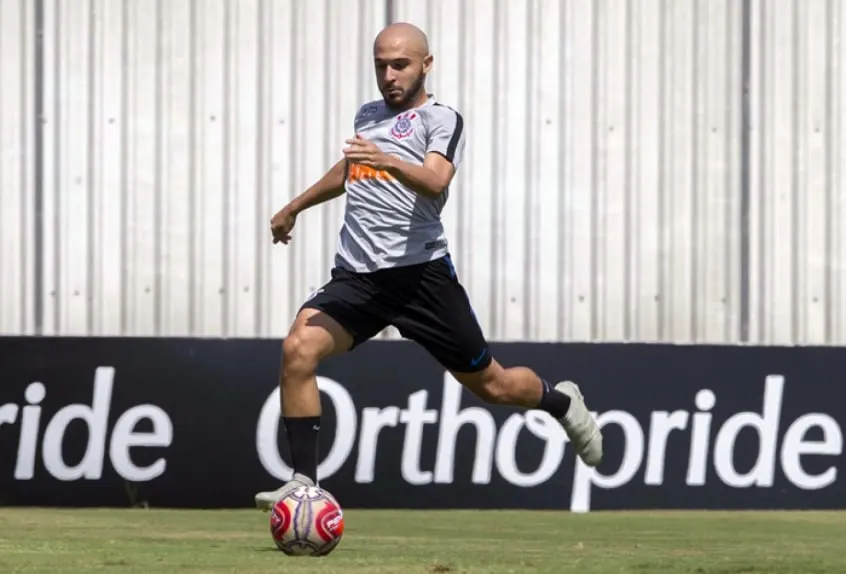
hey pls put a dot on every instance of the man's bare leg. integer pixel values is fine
(520, 386)
(313, 337)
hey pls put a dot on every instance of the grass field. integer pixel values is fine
(152, 541)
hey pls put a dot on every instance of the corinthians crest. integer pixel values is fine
(404, 125)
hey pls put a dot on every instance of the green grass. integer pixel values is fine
(152, 541)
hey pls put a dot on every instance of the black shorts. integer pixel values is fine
(425, 302)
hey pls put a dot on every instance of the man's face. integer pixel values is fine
(400, 72)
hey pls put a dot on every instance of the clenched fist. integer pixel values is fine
(281, 225)
(367, 153)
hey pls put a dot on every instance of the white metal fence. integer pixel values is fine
(637, 170)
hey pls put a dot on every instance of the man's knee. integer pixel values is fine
(300, 353)
(313, 336)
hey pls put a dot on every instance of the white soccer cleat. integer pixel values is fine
(580, 425)
(266, 500)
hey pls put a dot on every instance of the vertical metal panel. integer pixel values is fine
(175, 129)
(600, 195)
(798, 197)
(836, 100)
(17, 41)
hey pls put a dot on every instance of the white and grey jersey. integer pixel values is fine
(387, 224)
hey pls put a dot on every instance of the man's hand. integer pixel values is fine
(330, 186)
(281, 225)
(366, 153)
(429, 179)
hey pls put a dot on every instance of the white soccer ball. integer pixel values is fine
(307, 522)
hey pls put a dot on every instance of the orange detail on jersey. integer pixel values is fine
(361, 172)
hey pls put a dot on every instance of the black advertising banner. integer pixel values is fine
(195, 423)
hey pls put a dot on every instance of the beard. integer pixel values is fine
(403, 99)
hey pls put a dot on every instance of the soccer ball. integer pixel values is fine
(307, 522)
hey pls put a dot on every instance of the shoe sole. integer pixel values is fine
(264, 505)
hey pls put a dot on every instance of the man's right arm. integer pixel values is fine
(328, 187)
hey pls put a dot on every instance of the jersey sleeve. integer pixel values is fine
(357, 118)
(445, 134)
(365, 111)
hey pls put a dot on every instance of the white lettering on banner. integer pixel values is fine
(766, 425)
(125, 437)
(452, 419)
(90, 467)
(498, 446)
(661, 425)
(96, 417)
(373, 420)
(414, 417)
(698, 460)
(762, 473)
(794, 446)
(34, 394)
(543, 426)
(268, 431)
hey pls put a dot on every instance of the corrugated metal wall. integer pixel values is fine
(175, 129)
(797, 264)
(17, 246)
(604, 168)
(603, 196)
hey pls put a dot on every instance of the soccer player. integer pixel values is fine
(393, 266)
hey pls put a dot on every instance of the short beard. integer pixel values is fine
(411, 95)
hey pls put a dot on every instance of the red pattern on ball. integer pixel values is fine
(280, 520)
(329, 522)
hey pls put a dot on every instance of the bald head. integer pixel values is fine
(402, 60)
(402, 35)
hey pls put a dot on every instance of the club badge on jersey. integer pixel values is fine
(404, 125)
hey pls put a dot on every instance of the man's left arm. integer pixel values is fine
(429, 179)
(444, 152)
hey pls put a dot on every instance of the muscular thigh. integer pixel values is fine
(438, 315)
(315, 332)
(351, 304)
